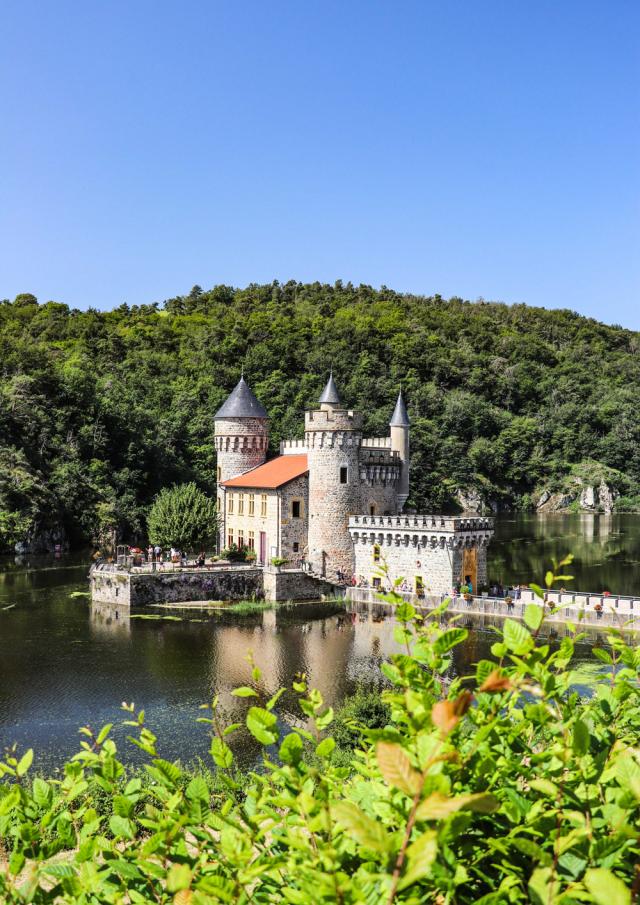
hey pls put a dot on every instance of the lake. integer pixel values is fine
(64, 663)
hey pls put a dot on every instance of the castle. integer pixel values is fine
(335, 499)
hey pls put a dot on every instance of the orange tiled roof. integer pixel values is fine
(272, 474)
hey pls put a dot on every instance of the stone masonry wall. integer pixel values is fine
(294, 530)
(241, 444)
(144, 588)
(295, 586)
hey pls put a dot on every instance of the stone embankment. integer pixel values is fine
(581, 608)
(142, 587)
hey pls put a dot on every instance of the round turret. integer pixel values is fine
(241, 433)
(333, 437)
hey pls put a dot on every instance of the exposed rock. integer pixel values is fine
(607, 496)
(587, 498)
(46, 540)
(470, 500)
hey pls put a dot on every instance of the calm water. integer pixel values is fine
(64, 663)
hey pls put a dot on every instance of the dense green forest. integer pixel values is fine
(100, 410)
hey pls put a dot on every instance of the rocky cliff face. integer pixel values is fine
(586, 497)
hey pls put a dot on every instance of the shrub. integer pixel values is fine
(184, 517)
(500, 787)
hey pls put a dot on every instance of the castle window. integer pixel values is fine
(296, 546)
(230, 539)
(263, 505)
(295, 509)
(230, 506)
(419, 586)
(252, 503)
(372, 509)
(376, 552)
(219, 473)
(241, 504)
(344, 474)
(377, 582)
(240, 539)
(252, 540)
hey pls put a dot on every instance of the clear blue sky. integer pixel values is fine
(472, 148)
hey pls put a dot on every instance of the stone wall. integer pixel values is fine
(241, 444)
(294, 530)
(144, 588)
(431, 553)
(296, 585)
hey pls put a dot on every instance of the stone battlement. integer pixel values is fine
(438, 523)
(333, 420)
(377, 442)
(292, 447)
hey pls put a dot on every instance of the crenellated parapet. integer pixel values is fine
(332, 419)
(241, 443)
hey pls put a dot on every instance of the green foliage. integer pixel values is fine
(501, 787)
(106, 408)
(183, 517)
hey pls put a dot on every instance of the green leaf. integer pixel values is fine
(448, 639)
(197, 790)
(545, 787)
(548, 579)
(291, 749)
(581, 738)
(606, 888)
(16, 862)
(260, 723)
(25, 762)
(367, 832)
(178, 877)
(438, 806)
(420, 856)
(41, 792)
(122, 826)
(603, 655)
(325, 747)
(104, 732)
(221, 753)
(627, 772)
(537, 590)
(533, 615)
(271, 703)
(516, 637)
(543, 886)
(244, 692)
(484, 670)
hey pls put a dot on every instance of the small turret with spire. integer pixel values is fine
(330, 397)
(399, 425)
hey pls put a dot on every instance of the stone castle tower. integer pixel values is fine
(241, 433)
(333, 437)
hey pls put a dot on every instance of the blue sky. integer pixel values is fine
(480, 148)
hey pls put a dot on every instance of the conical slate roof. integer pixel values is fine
(400, 417)
(241, 403)
(330, 392)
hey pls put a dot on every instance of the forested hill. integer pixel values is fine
(99, 410)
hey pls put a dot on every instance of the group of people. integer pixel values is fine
(173, 555)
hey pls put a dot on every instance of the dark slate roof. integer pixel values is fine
(400, 418)
(330, 392)
(241, 403)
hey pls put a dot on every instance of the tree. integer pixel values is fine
(183, 516)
